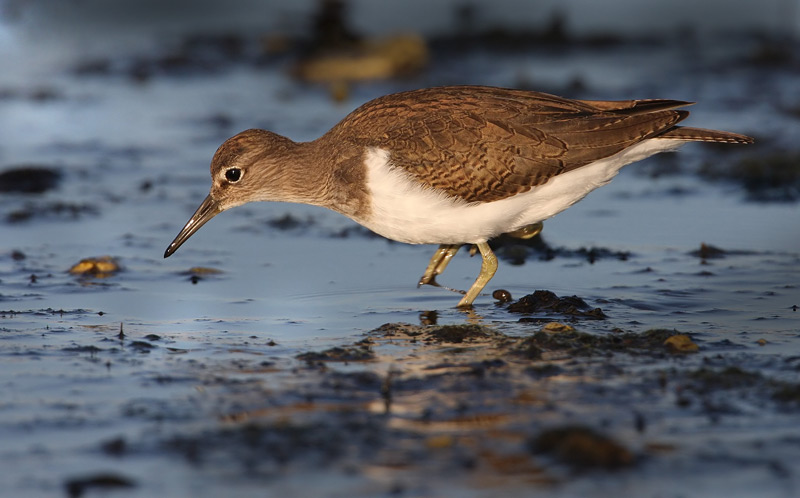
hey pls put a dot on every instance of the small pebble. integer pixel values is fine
(502, 295)
(101, 267)
(29, 179)
(557, 328)
(681, 343)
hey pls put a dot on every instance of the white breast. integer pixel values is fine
(407, 211)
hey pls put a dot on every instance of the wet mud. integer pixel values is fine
(415, 410)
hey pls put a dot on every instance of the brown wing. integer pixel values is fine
(484, 144)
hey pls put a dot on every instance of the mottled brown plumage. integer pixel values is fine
(483, 144)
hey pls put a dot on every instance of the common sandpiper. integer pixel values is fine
(450, 165)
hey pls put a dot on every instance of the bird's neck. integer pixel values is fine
(302, 177)
(328, 172)
(336, 172)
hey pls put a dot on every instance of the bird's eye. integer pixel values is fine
(233, 175)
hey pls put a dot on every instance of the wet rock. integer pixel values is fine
(141, 346)
(102, 482)
(707, 251)
(452, 334)
(58, 210)
(399, 331)
(534, 347)
(338, 354)
(681, 343)
(553, 338)
(593, 254)
(458, 333)
(582, 448)
(557, 328)
(102, 267)
(574, 343)
(515, 250)
(29, 179)
(92, 350)
(546, 301)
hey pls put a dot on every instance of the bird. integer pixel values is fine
(451, 165)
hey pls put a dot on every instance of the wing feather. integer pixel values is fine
(482, 144)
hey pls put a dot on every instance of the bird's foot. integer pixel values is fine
(428, 280)
(437, 264)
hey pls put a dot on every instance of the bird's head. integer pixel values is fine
(247, 167)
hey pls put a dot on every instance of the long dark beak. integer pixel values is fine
(207, 210)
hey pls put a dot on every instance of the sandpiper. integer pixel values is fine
(450, 165)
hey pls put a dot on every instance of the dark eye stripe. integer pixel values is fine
(233, 175)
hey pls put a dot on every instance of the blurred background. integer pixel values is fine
(110, 112)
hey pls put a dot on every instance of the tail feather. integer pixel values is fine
(648, 106)
(702, 135)
(640, 106)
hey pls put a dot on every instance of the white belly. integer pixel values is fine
(406, 211)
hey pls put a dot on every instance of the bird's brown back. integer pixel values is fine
(484, 144)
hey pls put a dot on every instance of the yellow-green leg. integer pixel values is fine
(528, 231)
(488, 269)
(438, 263)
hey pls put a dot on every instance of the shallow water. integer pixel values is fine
(179, 388)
